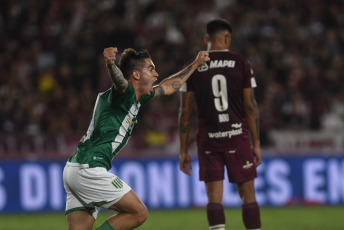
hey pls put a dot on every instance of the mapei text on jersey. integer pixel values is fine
(221, 64)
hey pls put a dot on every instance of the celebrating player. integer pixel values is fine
(227, 114)
(87, 181)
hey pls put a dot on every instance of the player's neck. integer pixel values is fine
(135, 84)
(217, 46)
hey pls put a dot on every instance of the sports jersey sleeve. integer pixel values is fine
(117, 98)
(249, 79)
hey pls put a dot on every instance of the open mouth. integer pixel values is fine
(155, 79)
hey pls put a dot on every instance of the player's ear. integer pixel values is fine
(136, 74)
(206, 39)
(228, 39)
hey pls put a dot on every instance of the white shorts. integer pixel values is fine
(91, 188)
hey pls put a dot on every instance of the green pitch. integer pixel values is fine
(288, 218)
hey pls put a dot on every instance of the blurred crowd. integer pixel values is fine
(52, 67)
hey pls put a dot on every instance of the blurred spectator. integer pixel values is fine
(332, 119)
(51, 64)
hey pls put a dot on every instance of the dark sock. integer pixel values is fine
(215, 214)
(251, 216)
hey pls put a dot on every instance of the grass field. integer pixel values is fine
(288, 218)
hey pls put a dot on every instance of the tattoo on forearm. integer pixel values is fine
(182, 75)
(116, 76)
(161, 91)
(174, 82)
(176, 85)
(184, 113)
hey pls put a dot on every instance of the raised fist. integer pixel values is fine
(202, 58)
(110, 55)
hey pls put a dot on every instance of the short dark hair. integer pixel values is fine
(217, 25)
(131, 60)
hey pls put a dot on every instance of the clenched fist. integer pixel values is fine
(110, 55)
(202, 58)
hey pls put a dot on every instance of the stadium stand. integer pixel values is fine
(51, 68)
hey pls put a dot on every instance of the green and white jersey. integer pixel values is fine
(110, 128)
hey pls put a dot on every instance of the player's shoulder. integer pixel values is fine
(227, 54)
(237, 55)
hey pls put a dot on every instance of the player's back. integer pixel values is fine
(218, 88)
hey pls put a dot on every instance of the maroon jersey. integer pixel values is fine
(218, 89)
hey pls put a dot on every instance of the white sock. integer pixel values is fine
(217, 227)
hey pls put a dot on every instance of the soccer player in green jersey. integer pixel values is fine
(86, 179)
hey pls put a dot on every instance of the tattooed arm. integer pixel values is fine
(185, 163)
(174, 82)
(252, 117)
(120, 84)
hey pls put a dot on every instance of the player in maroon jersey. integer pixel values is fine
(227, 125)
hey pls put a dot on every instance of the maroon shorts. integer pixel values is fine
(238, 161)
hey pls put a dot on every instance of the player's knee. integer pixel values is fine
(248, 197)
(79, 220)
(247, 192)
(142, 215)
